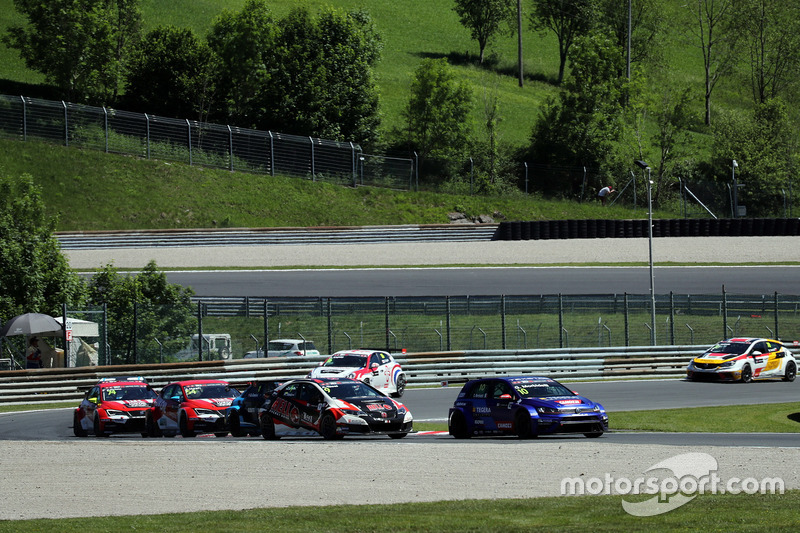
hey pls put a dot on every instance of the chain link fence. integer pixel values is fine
(231, 327)
(199, 143)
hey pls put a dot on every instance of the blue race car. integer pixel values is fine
(526, 406)
(242, 415)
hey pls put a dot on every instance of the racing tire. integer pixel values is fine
(791, 371)
(457, 426)
(327, 427)
(747, 374)
(152, 428)
(186, 433)
(401, 387)
(593, 435)
(235, 424)
(221, 435)
(522, 423)
(397, 435)
(77, 428)
(268, 428)
(97, 431)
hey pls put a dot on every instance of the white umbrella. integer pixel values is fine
(31, 324)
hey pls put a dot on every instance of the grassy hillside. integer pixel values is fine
(91, 190)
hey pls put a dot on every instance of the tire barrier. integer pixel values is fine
(637, 228)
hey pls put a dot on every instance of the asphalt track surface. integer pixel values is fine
(72, 477)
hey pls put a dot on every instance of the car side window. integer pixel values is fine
(290, 391)
(168, 392)
(384, 358)
(760, 347)
(479, 391)
(374, 359)
(501, 388)
(94, 393)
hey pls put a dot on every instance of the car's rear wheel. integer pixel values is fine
(268, 428)
(327, 427)
(235, 424)
(397, 435)
(457, 426)
(183, 424)
(77, 428)
(401, 387)
(152, 428)
(791, 371)
(594, 434)
(747, 374)
(98, 429)
(220, 434)
(522, 424)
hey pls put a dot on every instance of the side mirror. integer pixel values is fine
(374, 367)
(93, 399)
(755, 353)
(175, 398)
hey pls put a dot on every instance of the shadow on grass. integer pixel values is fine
(31, 90)
(490, 64)
(794, 417)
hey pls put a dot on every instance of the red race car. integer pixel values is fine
(114, 405)
(191, 407)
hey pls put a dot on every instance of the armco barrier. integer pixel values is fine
(422, 369)
(637, 228)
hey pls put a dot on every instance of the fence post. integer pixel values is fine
(105, 125)
(330, 327)
(724, 313)
(447, 306)
(777, 334)
(627, 322)
(63, 336)
(503, 318)
(66, 124)
(386, 313)
(24, 119)
(189, 134)
(266, 325)
(416, 169)
(560, 321)
(230, 146)
(135, 331)
(105, 334)
(671, 319)
(353, 162)
(271, 154)
(147, 134)
(314, 173)
(199, 330)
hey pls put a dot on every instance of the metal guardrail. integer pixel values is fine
(277, 236)
(422, 369)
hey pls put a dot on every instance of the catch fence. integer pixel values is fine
(199, 143)
(152, 334)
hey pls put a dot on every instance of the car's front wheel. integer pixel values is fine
(98, 429)
(152, 428)
(397, 435)
(327, 427)
(522, 423)
(457, 426)
(747, 374)
(594, 434)
(401, 387)
(791, 371)
(183, 424)
(77, 428)
(235, 424)
(268, 428)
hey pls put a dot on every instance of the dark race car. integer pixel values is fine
(114, 405)
(526, 406)
(191, 407)
(332, 408)
(242, 415)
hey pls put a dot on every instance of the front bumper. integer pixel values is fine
(571, 424)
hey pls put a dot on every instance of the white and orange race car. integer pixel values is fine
(376, 368)
(744, 359)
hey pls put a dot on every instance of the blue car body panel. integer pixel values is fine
(498, 406)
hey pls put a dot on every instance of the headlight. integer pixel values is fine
(548, 410)
(727, 364)
(596, 408)
(114, 412)
(351, 376)
(207, 412)
(691, 365)
(408, 418)
(352, 419)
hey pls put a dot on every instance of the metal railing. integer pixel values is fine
(199, 143)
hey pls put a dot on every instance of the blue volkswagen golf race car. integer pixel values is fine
(525, 406)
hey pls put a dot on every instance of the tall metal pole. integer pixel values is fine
(650, 242)
(628, 59)
(735, 190)
(519, 42)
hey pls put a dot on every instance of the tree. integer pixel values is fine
(567, 19)
(172, 74)
(485, 19)
(34, 274)
(71, 42)
(163, 311)
(763, 145)
(770, 30)
(437, 111)
(711, 27)
(244, 42)
(646, 21)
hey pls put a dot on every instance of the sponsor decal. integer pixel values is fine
(483, 410)
(504, 425)
(136, 403)
(379, 407)
(568, 402)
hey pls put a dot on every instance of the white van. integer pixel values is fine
(216, 346)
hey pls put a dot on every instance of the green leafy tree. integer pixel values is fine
(243, 42)
(71, 42)
(567, 20)
(763, 145)
(438, 110)
(172, 74)
(163, 311)
(581, 126)
(485, 19)
(34, 274)
(646, 25)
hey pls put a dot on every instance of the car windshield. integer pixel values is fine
(279, 346)
(126, 392)
(208, 390)
(541, 389)
(349, 361)
(343, 391)
(737, 348)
